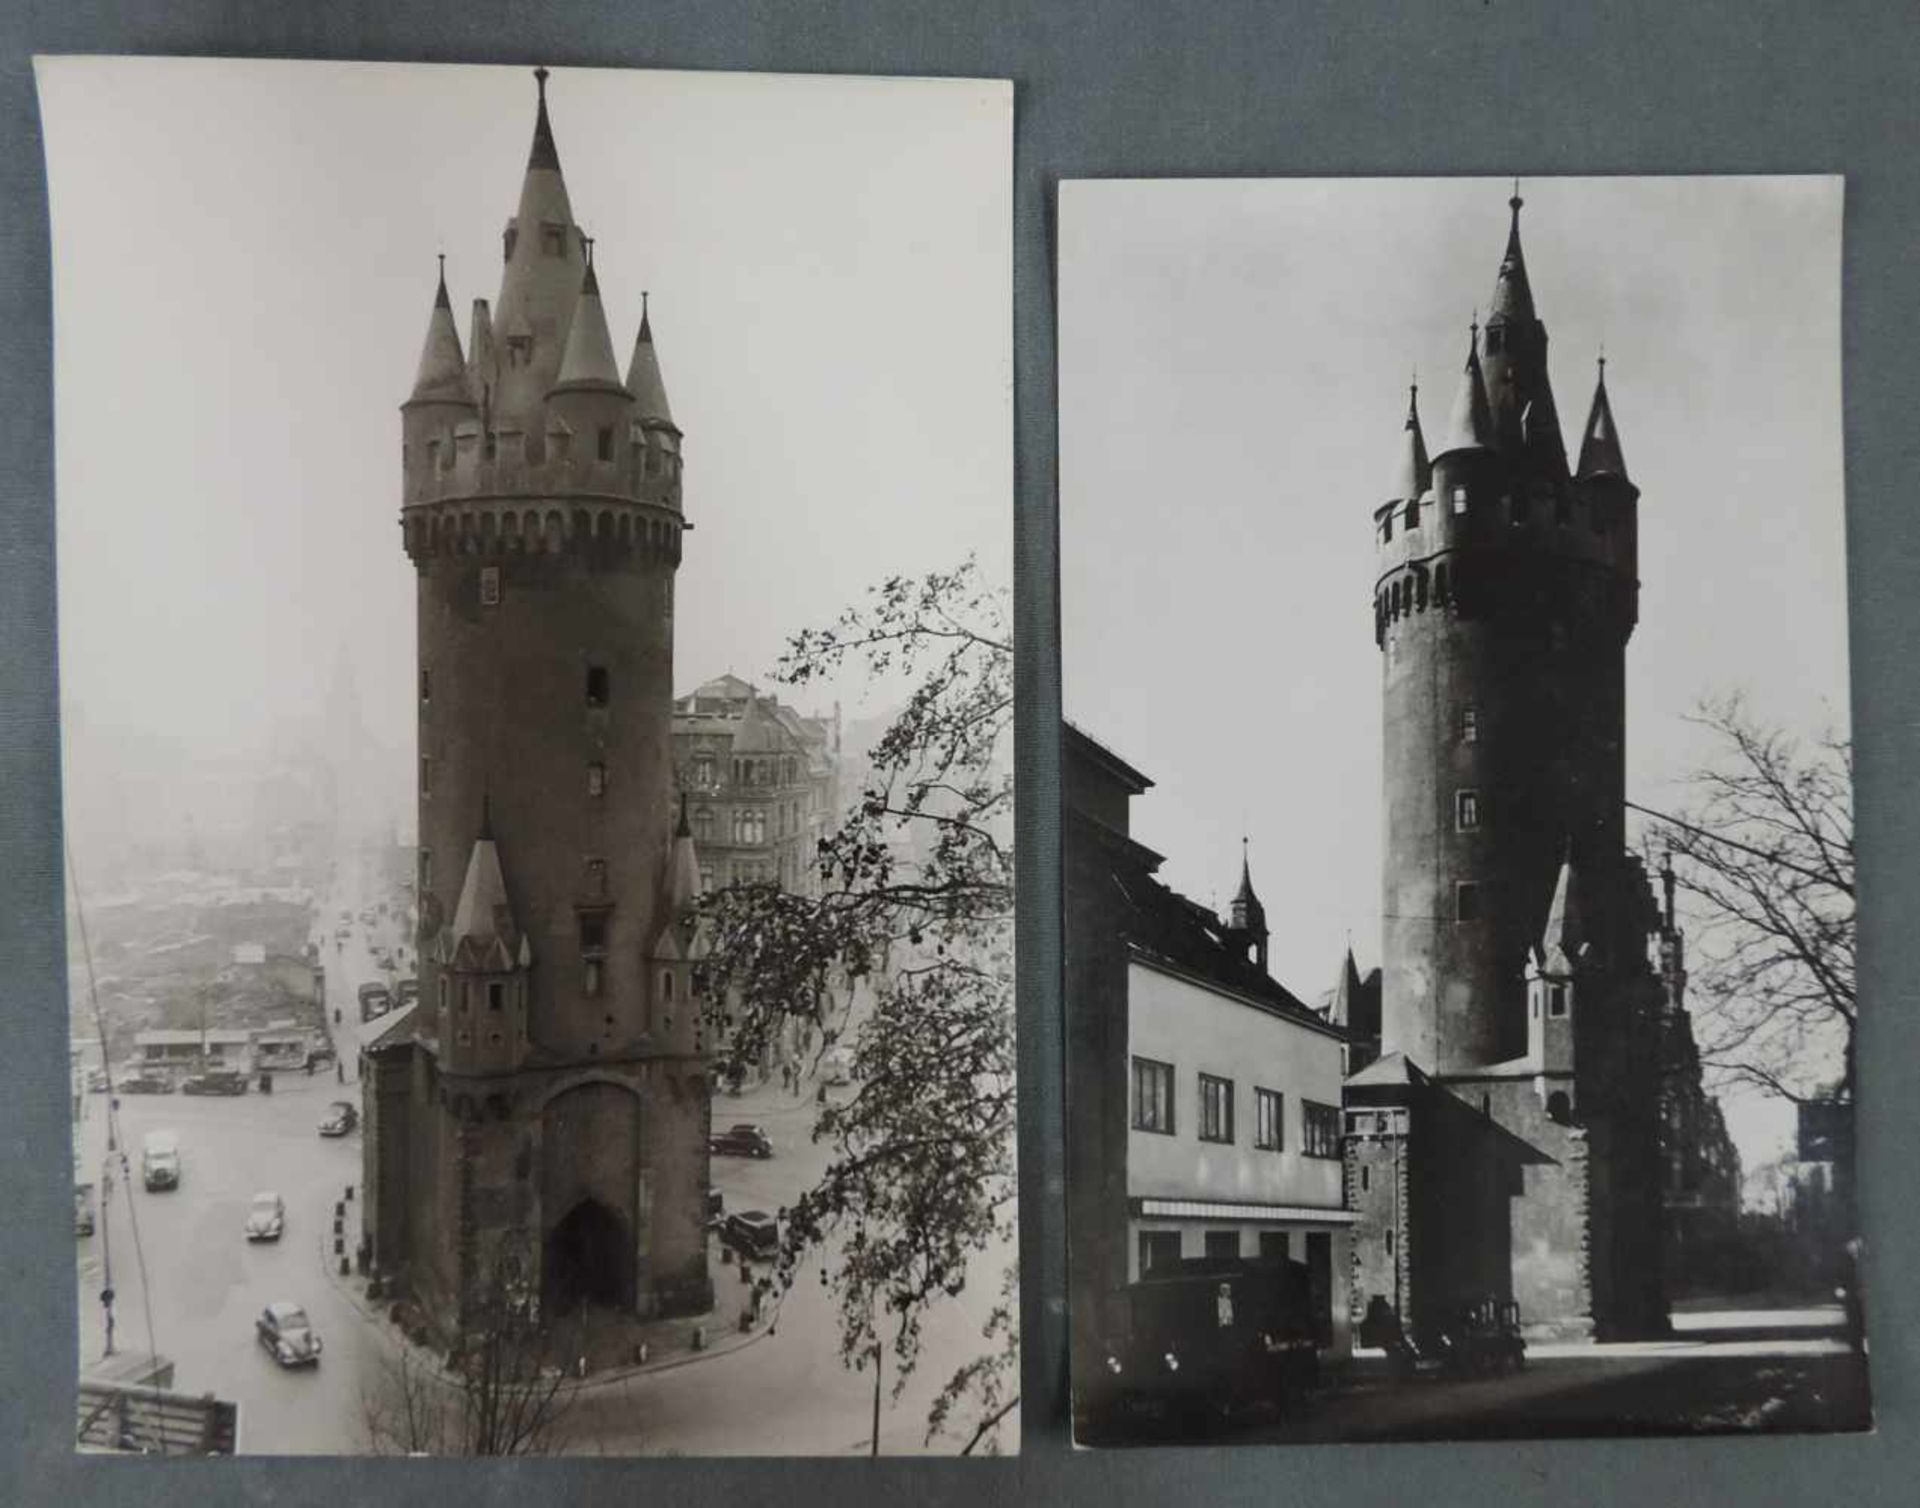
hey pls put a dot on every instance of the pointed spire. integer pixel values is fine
(1346, 992)
(588, 361)
(1412, 473)
(1600, 453)
(1246, 914)
(683, 868)
(1512, 294)
(544, 153)
(442, 375)
(643, 372)
(1565, 936)
(1470, 426)
(483, 913)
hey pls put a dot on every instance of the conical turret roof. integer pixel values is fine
(643, 373)
(683, 868)
(442, 377)
(546, 260)
(1246, 913)
(1470, 425)
(1346, 993)
(1600, 453)
(1412, 472)
(1512, 293)
(483, 935)
(589, 362)
(1565, 936)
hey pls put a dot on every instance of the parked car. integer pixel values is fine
(96, 1080)
(160, 1161)
(341, 1118)
(836, 1066)
(716, 1209)
(323, 1056)
(214, 1081)
(752, 1233)
(83, 1209)
(266, 1217)
(288, 1335)
(743, 1140)
(145, 1083)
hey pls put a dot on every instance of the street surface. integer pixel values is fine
(783, 1392)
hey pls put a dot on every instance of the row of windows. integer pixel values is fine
(1153, 1110)
(1161, 1248)
(596, 777)
(1518, 506)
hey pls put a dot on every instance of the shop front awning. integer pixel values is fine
(1209, 1209)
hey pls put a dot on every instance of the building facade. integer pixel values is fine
(537, 1126)
(1506, 1142)
(761, 783)
(1203, 1099)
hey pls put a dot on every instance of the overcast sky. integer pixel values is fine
(1234, 360)
(243, 271)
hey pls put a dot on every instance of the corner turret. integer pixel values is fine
(441, 402)
(679, 949)
(483, 958)
(1558, 963)
(1246, 929)
(654, 427)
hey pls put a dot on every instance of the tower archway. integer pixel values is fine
(588, 1260)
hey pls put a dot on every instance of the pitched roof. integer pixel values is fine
(1512, 294)
(442, 373)
(1392, 1069)
(1470, 425)
(483, 934)
(1412, 472)
(1565, 935)
(1600, 453)
(588, 362)
(649, 389)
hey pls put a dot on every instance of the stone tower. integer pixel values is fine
(551, 1089)
(1516, 984)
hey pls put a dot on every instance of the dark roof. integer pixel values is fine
(1167, 927)
(1077, 743)
(1600, 453)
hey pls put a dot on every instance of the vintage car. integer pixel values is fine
(742, 1140)
(754, 1234)
(144, 1083)
(288, 1335)
(214, 1081)
(341, 1118)
(266, 1217)
(160, 1161)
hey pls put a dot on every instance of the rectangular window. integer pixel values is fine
(1269, 1129)
(553, 239)
(1517, 508)
(1469, 725)
(426, 687)
(490, 586)
(606, 444)
(426, 869)
(1320, 1127)
(1386, 529)
(1459, 500)
(1223, 1243)
(596, 779)
(596, 877)
(1273, 1246)
(1466, 810)
(597, 686)
(1366, 1178)
(1556, 1000)
(1216, 1108)
(426, 776)
(496, 995)
(591, 980)
(593, 932)
(1466, 901)
(1152, 1096)
(1159, 1249)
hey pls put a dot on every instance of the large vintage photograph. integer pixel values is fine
(1458, 810)
(537, 701)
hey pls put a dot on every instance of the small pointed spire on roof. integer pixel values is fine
(1600, 453)
(1565, 937)
(1512, 293)
(643, 372)
(1470, 427)
(1346, 991)
(588, 361)
(544, 154)
(442, 373)
(1412, 473)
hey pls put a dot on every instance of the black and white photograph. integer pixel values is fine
(1457, 810)
(534, 567)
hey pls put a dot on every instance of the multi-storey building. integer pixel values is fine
(539, 1122)
(1203, 1098)
(761, 783)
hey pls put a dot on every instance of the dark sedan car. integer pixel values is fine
(287, 1333)
(753, 1233)
(144, 1083)
(744, 1140)
(218, 1081)
(341, 1119)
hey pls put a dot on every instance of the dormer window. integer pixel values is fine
(1556, 1000)
(1413, 513)
(519, 350)
(1459, 500)
(553, 239)
(606, 442)
(1496, 339)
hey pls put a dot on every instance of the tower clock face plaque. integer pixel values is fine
(1523, 728)
(539, 861)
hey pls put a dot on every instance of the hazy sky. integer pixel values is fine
(243, 271)
(1234, 360)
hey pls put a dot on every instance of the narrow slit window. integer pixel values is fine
(597, 686)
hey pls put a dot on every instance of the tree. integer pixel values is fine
(913, 902)
(504, 1392)
(1765, 850)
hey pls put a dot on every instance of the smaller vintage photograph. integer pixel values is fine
(536, 689)
(1458, 815)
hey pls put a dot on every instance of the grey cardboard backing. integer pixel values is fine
(1124, 88)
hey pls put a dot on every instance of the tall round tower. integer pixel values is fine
(549, 1121)
(1505, 595)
